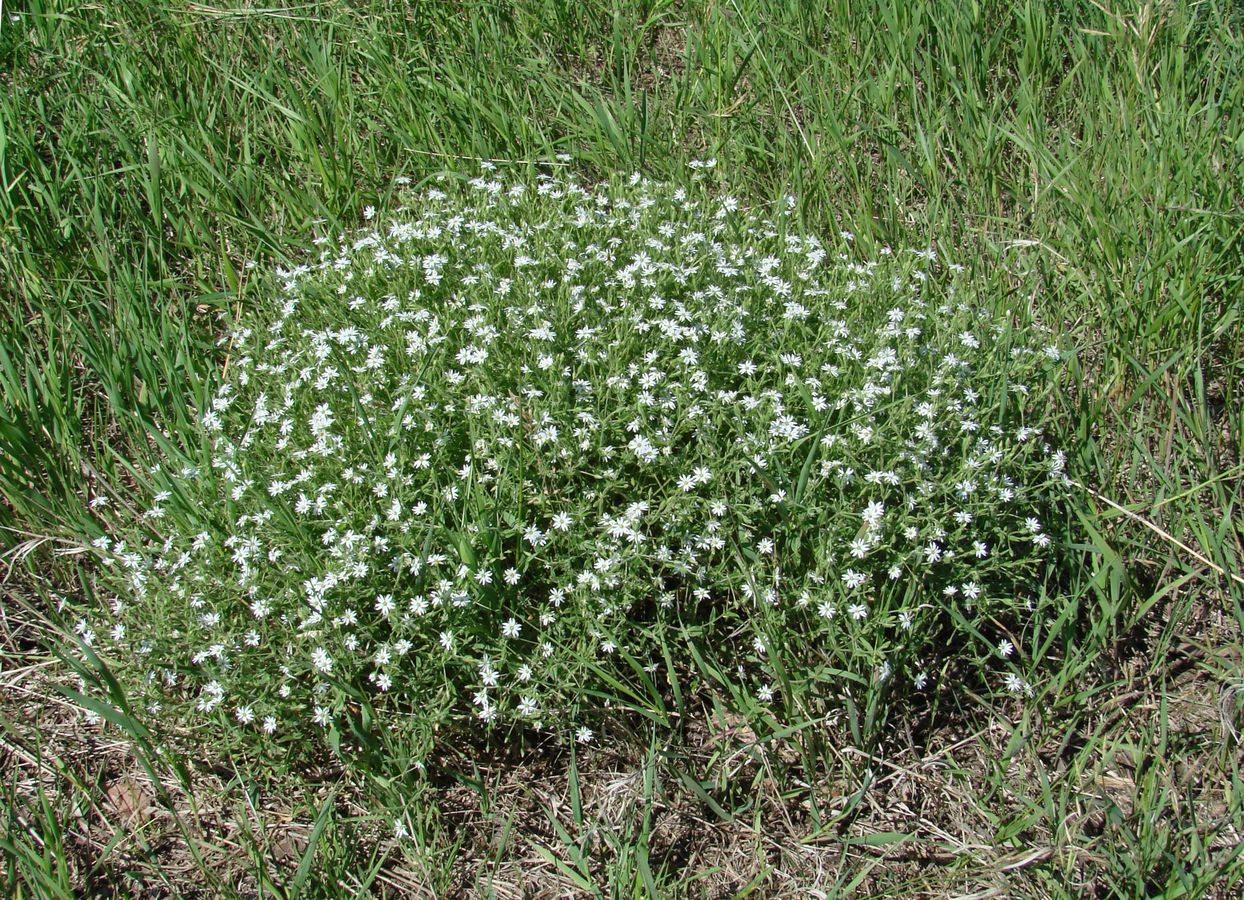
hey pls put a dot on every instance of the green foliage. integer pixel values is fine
(1087, 157)
(146, 161)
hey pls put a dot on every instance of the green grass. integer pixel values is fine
(1086, 161)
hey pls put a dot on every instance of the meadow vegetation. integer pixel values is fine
(626, 448)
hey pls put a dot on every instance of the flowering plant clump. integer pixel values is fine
(492, 452)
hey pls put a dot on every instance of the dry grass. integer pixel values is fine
(1002, 801)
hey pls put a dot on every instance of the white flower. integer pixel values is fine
(321, 420)
(642, 448)
(853, 579)
(322, 661)
(508, 374)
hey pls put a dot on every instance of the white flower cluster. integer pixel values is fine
(518, 431)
